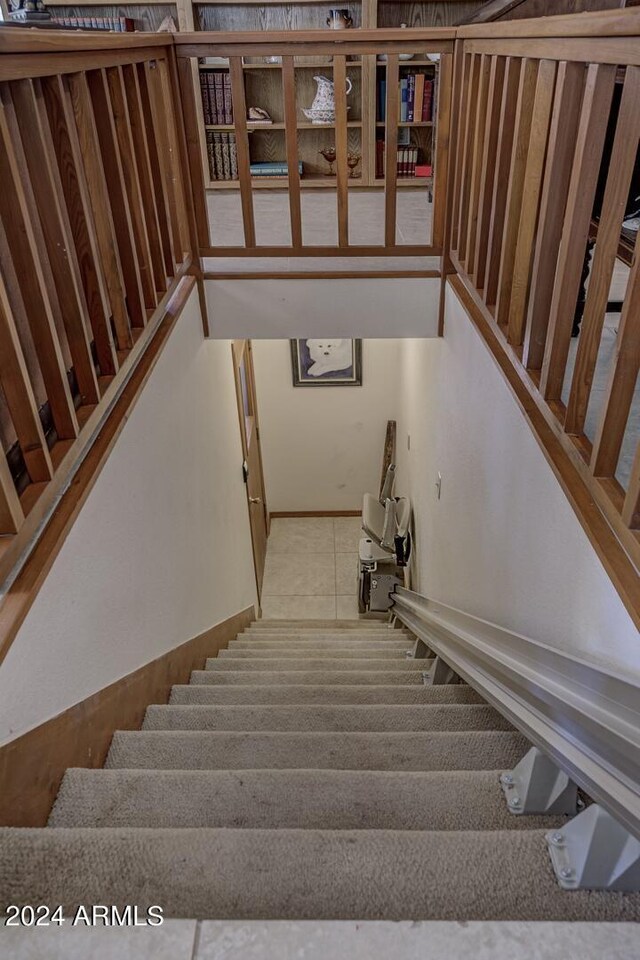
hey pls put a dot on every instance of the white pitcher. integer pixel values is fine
(323, 108)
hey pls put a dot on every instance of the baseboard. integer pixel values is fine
(278, 514)
(32, 766)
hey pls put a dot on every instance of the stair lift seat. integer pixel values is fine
(385, 548)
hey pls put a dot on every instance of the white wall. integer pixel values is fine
(338, 307)
(322, 446)
(161, 550)
(503, 543)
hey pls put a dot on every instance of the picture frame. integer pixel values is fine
(326, 362)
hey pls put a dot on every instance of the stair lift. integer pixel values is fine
(385, 548)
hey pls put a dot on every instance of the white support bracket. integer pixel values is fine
(537, 785)
(595, 852)
(441, 672)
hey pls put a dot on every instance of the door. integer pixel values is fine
(252, 455)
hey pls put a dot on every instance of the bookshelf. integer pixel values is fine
(263, 81)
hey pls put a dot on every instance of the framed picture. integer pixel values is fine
(327, 362)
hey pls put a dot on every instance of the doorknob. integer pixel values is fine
(255, 500)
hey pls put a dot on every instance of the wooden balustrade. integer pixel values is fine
(548, 127)
(95, 234)
(340, 52)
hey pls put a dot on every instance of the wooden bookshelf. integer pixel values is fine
(263, 81)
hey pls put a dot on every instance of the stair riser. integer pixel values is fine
(301, 719)
(320, 645)
(193, 750)
(256, 695)
(344, 635)
(296, 799)
(298, 677)
(320, 663)
(295, 653)
(299, 874)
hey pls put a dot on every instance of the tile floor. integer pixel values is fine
(312, 569)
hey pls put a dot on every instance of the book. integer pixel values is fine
(273, 169)
(117, 24)
(204, 93)
(218, 165)
(226, 92)
(424, 170)
(411, 92)
(428, 101)
(382, 100)
(404, 93)
(226, 156)
(418, 97)
(233, 153)
(219, 97)
(211, 94)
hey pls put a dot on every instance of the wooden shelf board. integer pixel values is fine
(259, 127)
(309, 181)
(410, 63)
(317, 65)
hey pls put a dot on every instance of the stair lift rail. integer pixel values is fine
(584, 717)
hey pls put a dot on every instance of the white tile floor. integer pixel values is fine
(312, 569)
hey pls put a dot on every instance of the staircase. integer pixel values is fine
(307, 772)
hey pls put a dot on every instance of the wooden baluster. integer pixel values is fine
(27, 252)
(515, 190)
(513, 68)
(340, 94)
(159, 122)
(631, 506)
(391, 150)
(532, 185)
(291, 139)
(621, 166)
(460, 113)
(48, 196)
(442, 141)
(478, 263)
(16, 385)
(157, 173)
(192, 121)
(592, 129)
(131, 181)
(145, 179)
(623, 377)
(242, 146)
(562, 141)
(11, 512)
(116, 191)
(176, 162)
(466, 155)
(78, 91)
(477, 153)
(64, 140)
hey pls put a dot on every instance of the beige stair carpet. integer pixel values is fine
(310, 771)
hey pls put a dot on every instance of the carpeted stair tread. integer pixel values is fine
(312, 653)
(278, 644)
(299, 874)
(207, 750)
(263, 694)
(325, 635)
(317, 663)
(296, 799)
(368, 623)
(275, 677)
(360, 718)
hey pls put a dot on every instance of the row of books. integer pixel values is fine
(223, 155)
(278, 169)
(118, 24)
(407, 162)
(217, 104)
(416, 99)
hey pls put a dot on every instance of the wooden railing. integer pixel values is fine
(95, 235)
(547, 121)
(339, 50)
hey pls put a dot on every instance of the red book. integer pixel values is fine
(428, 101)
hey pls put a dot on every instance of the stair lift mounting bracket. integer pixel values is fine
(537, 786)
(594, 852)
